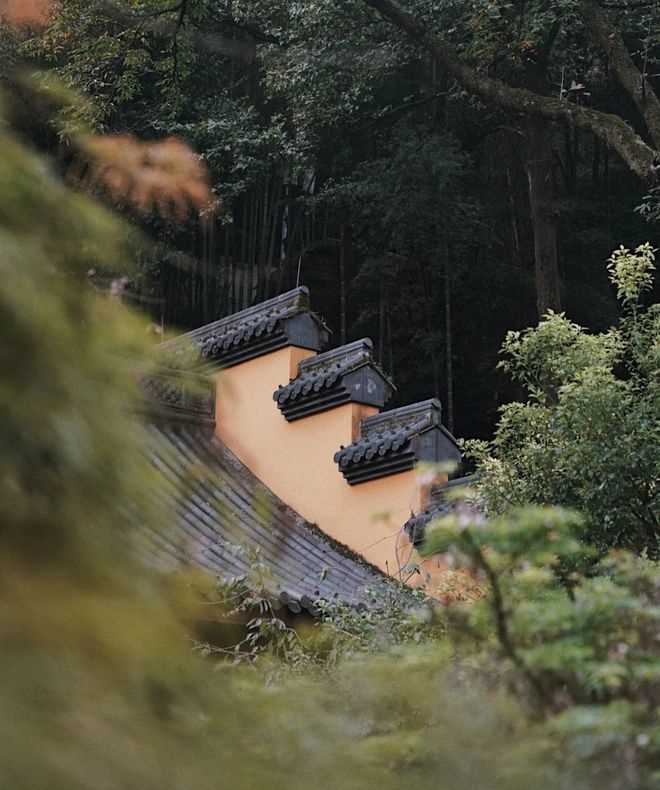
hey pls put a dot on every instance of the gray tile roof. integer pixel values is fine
(395, 441)
(178, 395)
(347, 373)
(440, 505)
(226, 520)
(284, 320)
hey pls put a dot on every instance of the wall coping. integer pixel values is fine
(284, 320)
(396, 441)
(347, 373)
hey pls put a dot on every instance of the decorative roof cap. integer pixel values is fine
(395, 441)
(285, 320)
(181, 396)
(439, 505)
(344, 374)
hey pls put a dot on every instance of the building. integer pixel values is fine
(271, 446)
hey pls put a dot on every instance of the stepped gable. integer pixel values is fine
(439, 505)
(172, 394)
(226, 520)
(396, 441)
(343, 374)
(265, 327)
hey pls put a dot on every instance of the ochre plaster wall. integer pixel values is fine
(295, 460)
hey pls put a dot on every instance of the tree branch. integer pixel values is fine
(403, 108)
(183, 8)
(611, 129)
(608, 38)
(501, 618)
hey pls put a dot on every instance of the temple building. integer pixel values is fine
(271, 446)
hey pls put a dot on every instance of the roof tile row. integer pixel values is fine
(395, 441)
(275, 323)
(348, 373)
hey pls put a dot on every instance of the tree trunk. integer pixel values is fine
(345, 257)
(515, 234)
(390, 345)
(595, 165)
(262, 255)
(274, 219)
(381, 322)
(449, 344)
(427, 301)
(543, 215)
(242, 263)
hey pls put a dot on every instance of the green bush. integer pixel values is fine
(581, 650)
(588, 434)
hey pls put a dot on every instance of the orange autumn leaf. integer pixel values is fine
(25, 12)
(164, 176)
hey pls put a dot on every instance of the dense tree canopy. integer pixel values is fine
(539, 119)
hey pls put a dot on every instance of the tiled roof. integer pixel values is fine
(284, 320)
(225, 518)
(182, 396)
(395, 441)
(344, 374)
(440, 505)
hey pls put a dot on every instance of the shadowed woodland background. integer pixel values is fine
(348, 159)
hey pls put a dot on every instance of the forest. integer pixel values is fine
(475, 185)
(428, 204)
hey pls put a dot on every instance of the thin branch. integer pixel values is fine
(402, 108)
(502, 622)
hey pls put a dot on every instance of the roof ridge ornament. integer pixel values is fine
(285, 320)
(395, 441)
(341, 375)
(177, 395)
(413, 417)
(438, 506)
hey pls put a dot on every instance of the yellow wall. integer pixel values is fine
(295, 460)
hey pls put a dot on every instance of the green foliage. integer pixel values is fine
(394, 617)
(266, 640)
(101, 689)
(404, 203)
(632, 273)
(579, 646)
(588, 435)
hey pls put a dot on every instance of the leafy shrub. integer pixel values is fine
(580, 650)
(588, 435)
